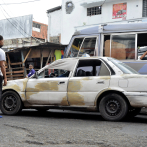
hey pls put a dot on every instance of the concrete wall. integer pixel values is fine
(54, 23)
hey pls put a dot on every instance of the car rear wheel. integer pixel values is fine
(10, 103)
(113, 107)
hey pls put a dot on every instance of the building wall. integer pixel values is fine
(78, 18)
(54, 25)
(42, 34)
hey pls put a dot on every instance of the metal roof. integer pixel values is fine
(54, 9)
(48, 45)
(114, 28)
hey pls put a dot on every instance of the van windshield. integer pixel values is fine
(123, 67)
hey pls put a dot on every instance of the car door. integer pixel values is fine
(48, 90)
(90, 78)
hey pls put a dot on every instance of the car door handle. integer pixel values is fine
(61, 83)
(100, 82)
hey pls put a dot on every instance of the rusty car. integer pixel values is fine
(100, 84)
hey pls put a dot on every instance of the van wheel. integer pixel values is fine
(10, 103)
(113, 107)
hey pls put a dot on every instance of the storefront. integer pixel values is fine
(18, 60)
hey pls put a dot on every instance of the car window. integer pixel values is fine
(53, 73)
(123, 67)
(88, 68)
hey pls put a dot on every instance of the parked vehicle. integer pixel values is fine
(125, 42)
(89, 84)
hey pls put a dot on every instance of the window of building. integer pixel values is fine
(94, 11)
(36, 27)
(144, 8)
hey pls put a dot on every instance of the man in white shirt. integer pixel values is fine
(2, 66)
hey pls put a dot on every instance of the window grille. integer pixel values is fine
(144, 8)
(94, 11)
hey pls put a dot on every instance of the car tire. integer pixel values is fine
(113, 107)
(11, 103)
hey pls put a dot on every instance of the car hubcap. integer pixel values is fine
(9, 103)
(113, 107)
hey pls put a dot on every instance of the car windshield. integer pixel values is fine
(123, 67)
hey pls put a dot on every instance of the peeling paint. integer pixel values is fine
(74, 86)
(86, 78)
(105, 77)
(45, 86)
(64, 101)
(25, 83)
(75, 98)
(28, 94)
(23, 96)
(13, 86)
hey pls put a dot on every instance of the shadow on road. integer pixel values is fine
(91, 116)
(62, 115)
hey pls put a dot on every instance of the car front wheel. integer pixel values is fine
(113, 107)
(10, 103)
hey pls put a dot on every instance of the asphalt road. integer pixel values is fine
(70, 129)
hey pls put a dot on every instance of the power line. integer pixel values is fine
(17, 23)
(103, 3)
(19, 3)
(12, 23)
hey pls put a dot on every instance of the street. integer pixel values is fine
(59, 128)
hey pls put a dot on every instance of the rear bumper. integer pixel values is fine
(137, 99)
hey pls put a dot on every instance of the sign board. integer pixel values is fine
(18, 27)
(119, 11)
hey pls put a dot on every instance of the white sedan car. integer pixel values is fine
(92, 84)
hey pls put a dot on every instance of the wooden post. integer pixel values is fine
(22, 58)
(27, 55)
(23, 64)
(48, 57)
(41, 58)
(9, 64)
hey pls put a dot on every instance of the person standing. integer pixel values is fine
(2, 66)
(32, 71)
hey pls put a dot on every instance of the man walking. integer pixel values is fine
(2, 67)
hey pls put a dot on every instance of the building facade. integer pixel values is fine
(54, 24)
(80, 14)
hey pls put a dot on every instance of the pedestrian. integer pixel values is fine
(32, 71)
(2, 67)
